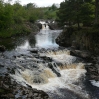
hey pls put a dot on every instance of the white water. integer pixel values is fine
(26, 45)
(71, 73)
(68, 77)
(50, 82)
(45, 27)
(95, 83)
(46, 39)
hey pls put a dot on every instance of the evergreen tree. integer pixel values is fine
(76, 11)
(96, 11)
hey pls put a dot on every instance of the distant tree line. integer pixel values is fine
(78, 12)
(14, 16)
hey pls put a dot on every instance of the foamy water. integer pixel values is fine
(50, 82)
(47, 80)
(95, 83)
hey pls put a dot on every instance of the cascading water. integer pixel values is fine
(54, 71)
(45, 27)
(62, 72)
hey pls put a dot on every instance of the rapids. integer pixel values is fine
(45, 66)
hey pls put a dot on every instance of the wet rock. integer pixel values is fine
(82, 54)
(10, 89)
(34, 51)
(2, 48)
(54, 69)
(92, 72)
(1, 65)
(39, 25)
(45, 58)
(35, 94)
(53, 26)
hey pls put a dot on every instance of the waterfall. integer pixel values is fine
(45, 27)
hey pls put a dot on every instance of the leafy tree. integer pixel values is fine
(31, 6)
(76, 11)
(14, 19)
(87, 14)
(6, 13)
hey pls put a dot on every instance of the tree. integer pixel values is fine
(31, 6)
(76, 11)
(87, 14)
(6, 15)
(96, 11)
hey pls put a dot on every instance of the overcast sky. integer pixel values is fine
(40, 2)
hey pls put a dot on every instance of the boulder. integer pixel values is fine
(53, 26)
(92, 71)
(82, 54)
(39, 25)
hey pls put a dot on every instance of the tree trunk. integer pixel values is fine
(96, 11)
(78, 22)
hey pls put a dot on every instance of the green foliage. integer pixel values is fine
(50, 12)
(76, 12)
(87, 13)
(13, 18)
(6, 17)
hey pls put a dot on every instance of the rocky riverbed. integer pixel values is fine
(19, 69)
(9, 63)
(59, 71)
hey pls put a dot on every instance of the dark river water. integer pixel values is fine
(69, 85)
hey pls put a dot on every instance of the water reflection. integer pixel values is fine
(44, 39)
(25, 45)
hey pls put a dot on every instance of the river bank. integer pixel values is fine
(10, 88)
(83, 43)
(21, 29)
(37, 65)
(21, 47)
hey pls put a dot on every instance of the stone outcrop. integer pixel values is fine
(9, 89)
(83, 39)
(39, 25)
(64, 38)
(53, 26)
(12, 89)
(84, 44)
(92, 71)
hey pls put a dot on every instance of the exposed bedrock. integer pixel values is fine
(84, 44)
(39, 25)
(84, 39)
(53, 26)
(9, 89)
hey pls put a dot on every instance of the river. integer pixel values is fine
(51, 69)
